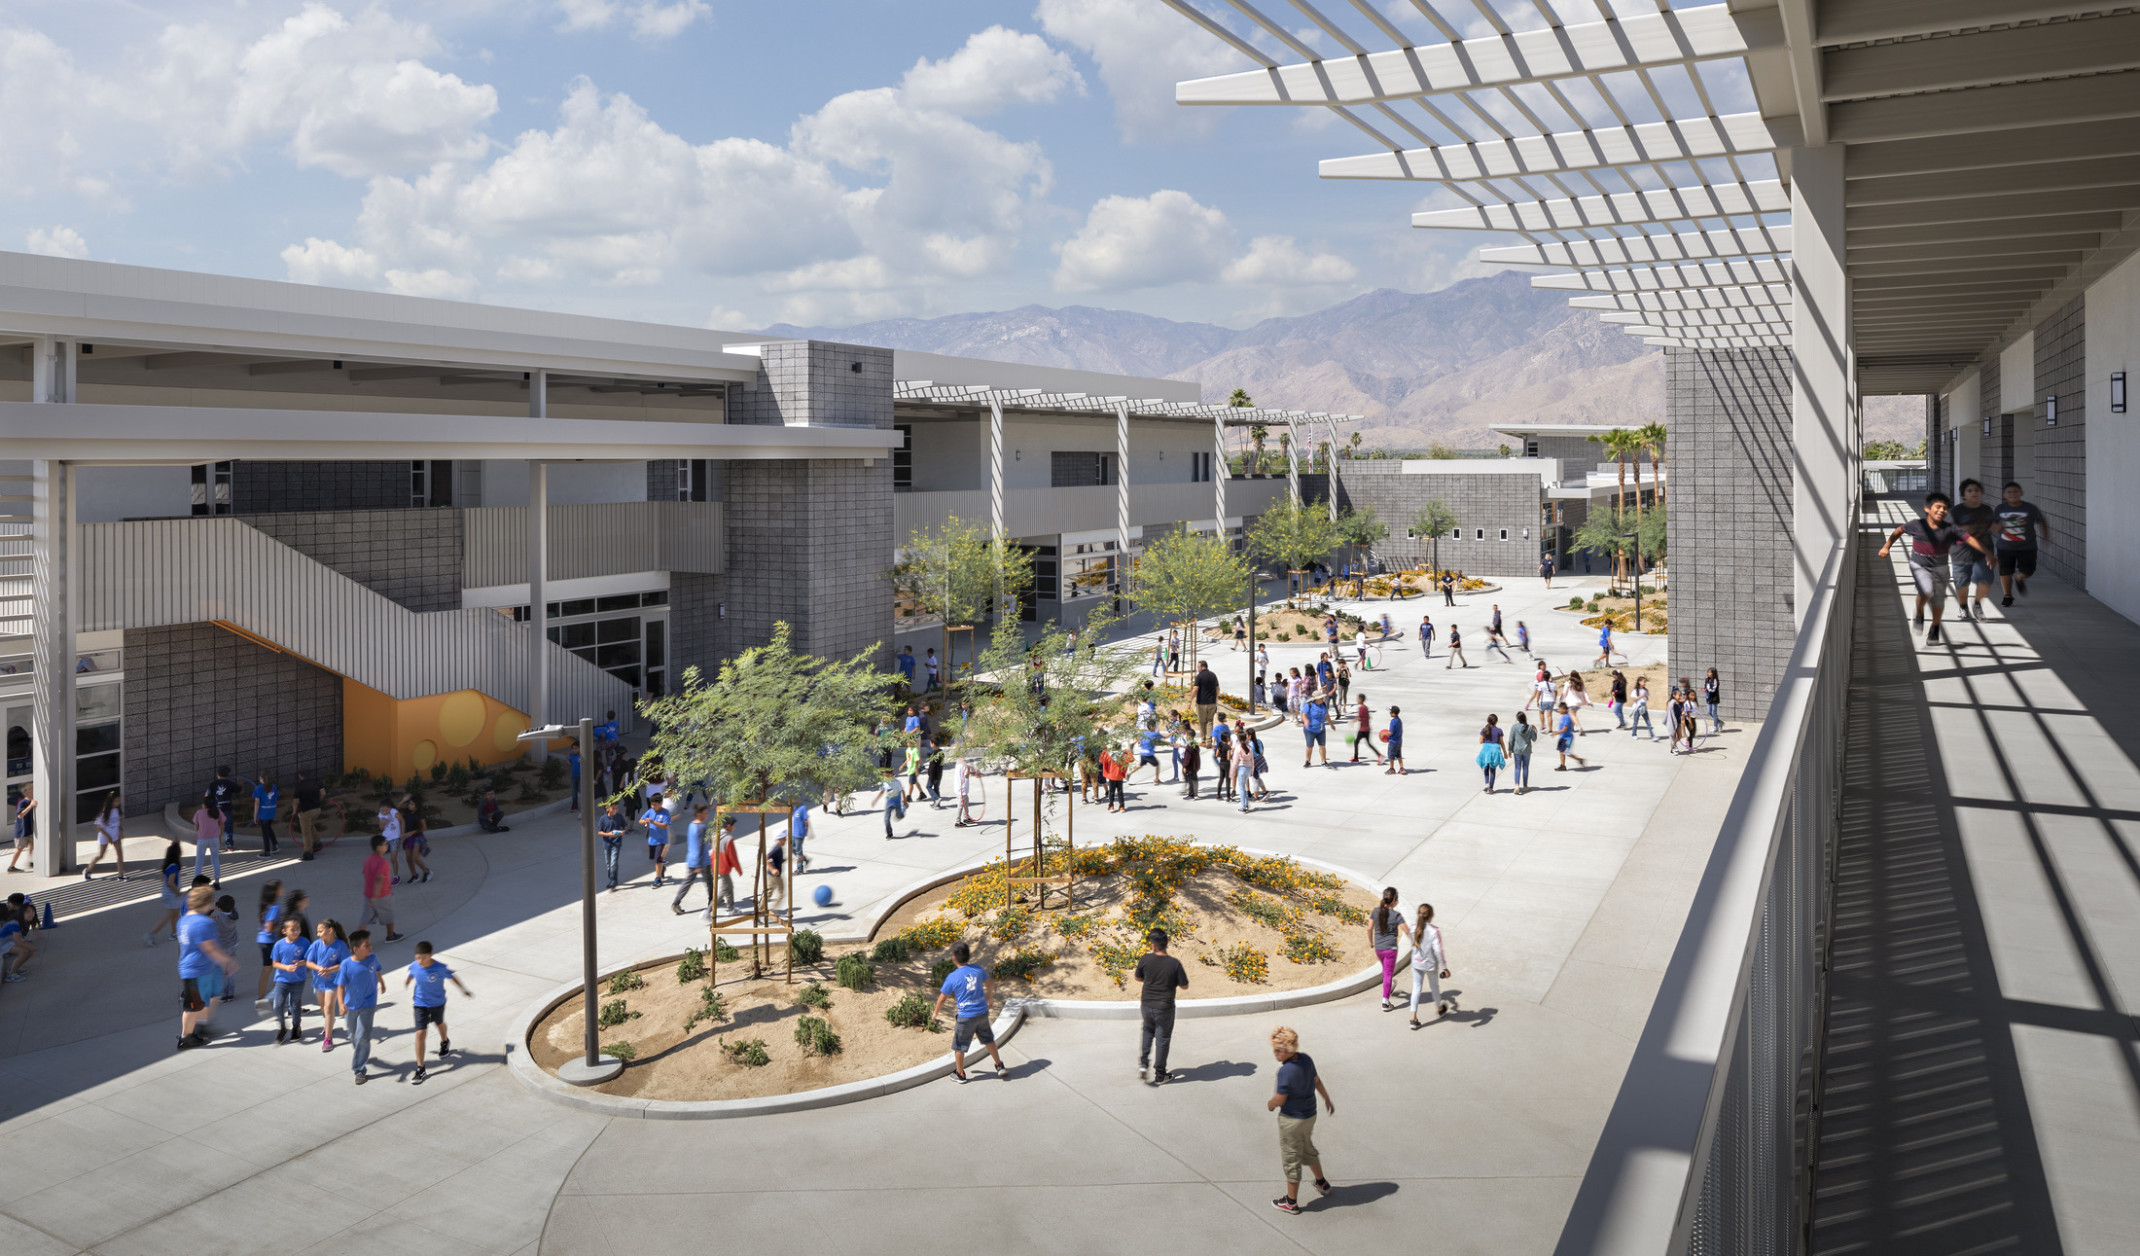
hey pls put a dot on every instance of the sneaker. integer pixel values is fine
(2008, 600)
(1283, 1204)
(1932, 634)
(185, 1042)
(327, 1042)
(2021, 587)
(281, 1036)
(1144, 1073)
(427, 876)
(962, 1078)
(1918, 622)
(363, 1078)
(15, 977)
(1161, 1079)
(396, 937)
(445, 1048)
(1323, 1187)
(1977, 612)
(418, 1079)
(149, 939)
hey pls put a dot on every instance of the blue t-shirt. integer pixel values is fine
(1396, 730)
(267, 796)
(1296, 1081)
(1144, 744)
(288, 952)
(194, 929)
(359, 979)
(1567, 725)
(906, 665)
(328, 955)
(1316, 715)
(1605, 635)
(694, 846)
(611, 826)
(11, 929)
(799, 823)
(269, 930)
(430, 983)
(964, 984)
(656, 820)
(572, 764)
(1425, 631)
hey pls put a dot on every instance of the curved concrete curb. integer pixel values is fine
(539, 1080)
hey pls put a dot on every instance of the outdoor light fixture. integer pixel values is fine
(594, 1068)
(1987, 427)
(2050, 410)
(2117, 392)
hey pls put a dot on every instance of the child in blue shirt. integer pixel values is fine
(656, 820)
(970, 988)
(1566, 729)
(360, 983)
(324, 957)
(286, 960)
(430, 978)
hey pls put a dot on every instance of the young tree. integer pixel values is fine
(1049, 702)
(1433, 521)
(774, 723)
(1293, 533)
(1360, 529)
(1183, 577)
(957, 571)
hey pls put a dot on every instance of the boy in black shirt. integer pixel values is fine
(1162, 975)
(1931, 537)
(2018, 526)
(1974, 517)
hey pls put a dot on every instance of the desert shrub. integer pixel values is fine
(1263, 909)
(1023, 963)
(626, 981)
(815, 995)
(932, 934)
(614, 1013)
(438, 771)
(940, 972)
(711, 1007)
(692, 967)
(854, 972)
(1308, 948)
(911, 1012)
(815, 1037)
(983, 891)
(621, 1050)
(1327, 903)
(1576, 602)
(528, 792)
(807, 946)
(1243, 962)
(1011, 923)
(748, 1052)
(724, 953)
(1076, 926)
(892, 950)
(552, 775)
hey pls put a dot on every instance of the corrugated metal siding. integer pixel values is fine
(179, 571)
(594, 539)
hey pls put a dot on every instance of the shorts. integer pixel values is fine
(1395, 749)
(1964, 566)
(1565, 741)
(105, 839)
(655, 850)
(971, 1029)
(2020, 562)
(1931, 581)
(214, 985)
(1147, 761)
(190, 996)
(1316, 738)
(427, 1016)
(267, 954)
(416, 842)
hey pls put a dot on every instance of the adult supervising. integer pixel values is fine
(1298, 1084)
(1162, 975)
(1206, 687)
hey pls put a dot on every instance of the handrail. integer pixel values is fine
(1646, 1187)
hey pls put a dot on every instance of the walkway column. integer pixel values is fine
(1292, 459)
(995, 467)
(1122, 497)
(1330, 423)
(53, 657)
(1219, 470)
(538, 571)
(1824, 442)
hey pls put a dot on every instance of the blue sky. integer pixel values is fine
(697, 161)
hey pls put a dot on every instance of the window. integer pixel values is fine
(211, 488)
(97, 745)
(1201, 467)
(1482, 534)
(1089, 570)
(431, 483)
(1080, 470)
(692, 480)
(903, 457)
(1504, 534)
(1044, 572)
(1530, 449)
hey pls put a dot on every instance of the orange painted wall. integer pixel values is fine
(397, 738)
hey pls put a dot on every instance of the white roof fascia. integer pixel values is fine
(1679, 204)
(1774, 296)
(1666, 246)
(1678, 139)
(1607, 47)
(1758, 317)
(1748, 272)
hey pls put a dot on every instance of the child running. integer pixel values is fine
(1566, 729)
(430, 978)
(970, 989)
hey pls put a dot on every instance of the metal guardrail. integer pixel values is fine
(1705, 1150)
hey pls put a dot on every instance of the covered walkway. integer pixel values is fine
(1980, 1076)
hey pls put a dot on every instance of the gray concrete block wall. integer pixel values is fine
(809, 543)
(2061, 479)
(198, 697)
(263, 487)
(414, 557)
(1579, 455)
(1487, 500)
(694, 617)
(1995, 448)
(817, 382)
(1728, 424)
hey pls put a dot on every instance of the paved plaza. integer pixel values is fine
(1560, 909)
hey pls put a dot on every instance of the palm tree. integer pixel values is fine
(1652, 435)
(1352, 446)
(1256, 434)
(1621, 444)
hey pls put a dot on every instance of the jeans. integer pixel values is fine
(1523, 770)
(1240, 784)
(1426, 647)
(1642, 721)
(1619, 712)
(214, 851)
(897, 805)
(290, 1005)
(1716, 722)
(1158, 1035)
(1175, 752)
(693, 876)
(268, 843)
(357, 1023)
(612, 848)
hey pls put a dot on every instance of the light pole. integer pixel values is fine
(596, 1068)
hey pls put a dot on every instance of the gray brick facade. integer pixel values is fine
(2060, 485)
(1728, 419)
(817, 382)
(1995, 449)
(1483, 501)
(414, 557)
(265, 487)
(694, 610)
(198, 697)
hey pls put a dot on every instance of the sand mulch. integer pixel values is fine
(674, 1065)
(1213, 923)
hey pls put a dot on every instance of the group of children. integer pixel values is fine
(337, 968)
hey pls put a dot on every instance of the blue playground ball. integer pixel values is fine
(822, 895)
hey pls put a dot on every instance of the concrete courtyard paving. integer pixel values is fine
(1560, 909)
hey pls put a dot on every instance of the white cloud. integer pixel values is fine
(1133, 242)
(1142, 49)
(57, 242)
(651, 20)
(1279, 260)
(326, 262)
(997, 67)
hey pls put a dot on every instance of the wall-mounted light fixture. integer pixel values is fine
(2117, 392)
(2050, 410)
(1017, 455)
(1987, 427)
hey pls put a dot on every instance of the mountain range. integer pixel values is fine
(1441, 366)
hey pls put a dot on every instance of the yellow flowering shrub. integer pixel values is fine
(932, 934)
(1244, 963)
(1308, 948)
